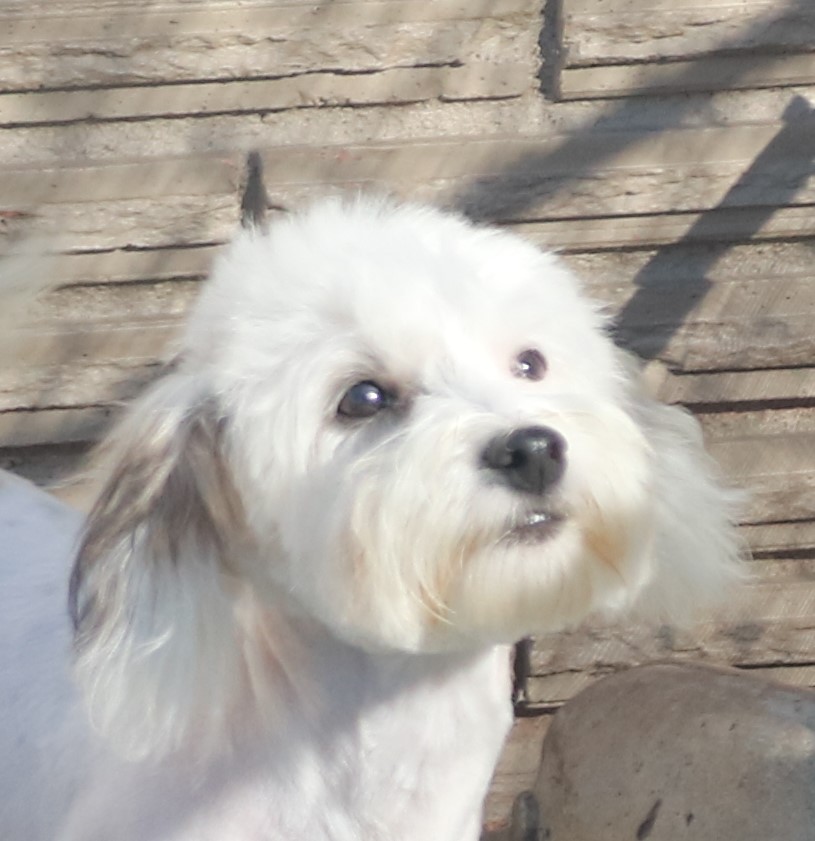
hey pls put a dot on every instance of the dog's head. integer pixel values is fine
(409, 429)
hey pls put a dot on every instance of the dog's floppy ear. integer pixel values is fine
(150, 589)
(696, 550)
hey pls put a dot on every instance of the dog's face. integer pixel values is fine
(433, 440)
(408, 430)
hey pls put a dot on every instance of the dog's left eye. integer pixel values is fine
(529, 365)
(364, 400)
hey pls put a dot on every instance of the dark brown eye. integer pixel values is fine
(529, 365)
(364, 400)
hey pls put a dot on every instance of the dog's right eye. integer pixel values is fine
(530, 365)
(364, 400)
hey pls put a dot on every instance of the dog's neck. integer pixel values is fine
(297, 670)
(400, 745)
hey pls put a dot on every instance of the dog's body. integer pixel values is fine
(321, 773)
(393, 444)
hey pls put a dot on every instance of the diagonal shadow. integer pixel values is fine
(634, 327)
(527, 182)
(535, 178)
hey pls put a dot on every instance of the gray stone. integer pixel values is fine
(669, 751)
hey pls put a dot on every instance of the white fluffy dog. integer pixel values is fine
(393, 444)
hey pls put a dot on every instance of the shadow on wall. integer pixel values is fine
(528, 181)
(631, 329)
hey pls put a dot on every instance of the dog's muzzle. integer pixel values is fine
(531, 459)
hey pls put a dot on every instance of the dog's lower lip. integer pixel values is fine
(535, 528)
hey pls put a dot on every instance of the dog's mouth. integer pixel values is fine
(535, 527)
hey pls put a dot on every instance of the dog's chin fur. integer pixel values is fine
(247, 527)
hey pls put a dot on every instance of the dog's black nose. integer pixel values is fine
(530, 459)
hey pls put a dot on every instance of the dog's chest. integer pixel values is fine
(412, 764)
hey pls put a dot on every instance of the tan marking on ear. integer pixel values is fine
(169, 485)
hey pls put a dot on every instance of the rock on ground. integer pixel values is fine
(668, 752)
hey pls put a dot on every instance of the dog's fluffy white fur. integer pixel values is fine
(393, 443)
